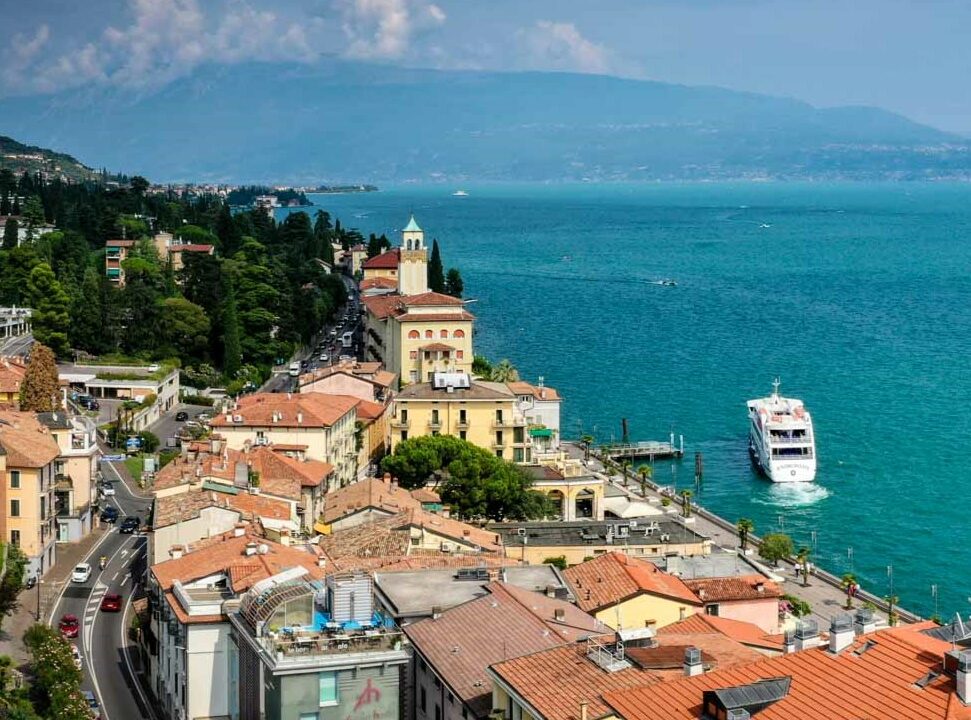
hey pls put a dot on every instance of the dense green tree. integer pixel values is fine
(10, 231)
(504, 372)
(453, 283)
(33, 214)
(16, 267)
(140, 305)
(5, 205)
(184, 327)
(776, 547)
(69, 254)
(297, 235)
(51, 315)
(228, 232)
(87, 331)
(745, 527)
(377, 245)
(40, 390)
(232, 348)
(195, 235)
(56, 681)
(322, 237)
(10, 585)
(139, 185)
(436, 272)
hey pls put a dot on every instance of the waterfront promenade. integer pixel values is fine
(823, 593)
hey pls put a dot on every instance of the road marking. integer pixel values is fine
(115, 576)
(124, 580)
(125, 554)
(124, 651)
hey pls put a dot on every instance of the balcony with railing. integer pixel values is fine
(400, 423)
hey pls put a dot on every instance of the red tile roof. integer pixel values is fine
(385, 261)
(367, 410)
(541, 393)
(555, 682)
(743, 632)
(12, 371)
(368, 493)
(408, 308)
(315, 409)
(508, 622)
(877, 683)
(437, 347)
(436, 317)
(431, 299)
(726, 589)
(120, 243)
(614, 577)
(25, 441)
(383, 283)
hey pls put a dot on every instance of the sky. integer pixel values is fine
(909, 56)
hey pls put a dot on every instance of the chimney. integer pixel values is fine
(176, 551)
(789, 642)
(583, 710)
(215, 445)
(559, 614)
(807, 635)
(863, 622)
(321, 561)
(841, 633)
(737, 714)
(692, 662)
(760, 587)
(239, 530)
(551, 591)
(961, 661)
(436, 612)
(299, 418)
(251, 548)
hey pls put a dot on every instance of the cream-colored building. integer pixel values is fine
(384, 265)
(323, 425)
(75, 473)
(28, 452)
(484, 413)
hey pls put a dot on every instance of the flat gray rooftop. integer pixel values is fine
(717, 564)
(591, 532)
(412, 594)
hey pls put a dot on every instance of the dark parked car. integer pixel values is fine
(109, 514)
(91, 404)
(181, 416)
(129, 525)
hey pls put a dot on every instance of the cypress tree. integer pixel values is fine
(10, 234)
(454, 285)
(436, 273)
(39, 391)
(16, 206)
(51, 317)
(5, 205)
(232, 347)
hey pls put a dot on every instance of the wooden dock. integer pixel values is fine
(646, 450)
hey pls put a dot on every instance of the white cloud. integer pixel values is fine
(550, 45)
(384, 29)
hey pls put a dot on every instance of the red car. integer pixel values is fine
(111, 603)
(68, 626)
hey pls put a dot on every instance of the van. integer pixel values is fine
(294, 369)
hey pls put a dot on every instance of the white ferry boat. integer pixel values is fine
(460, 193)
(781, 440)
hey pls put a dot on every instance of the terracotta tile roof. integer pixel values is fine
(554, 682)
(436, 317)
(377, 539)
(437, 347)
(431, 299)
(191, 247)
(726, 589)
(188, 505)
(284, 476)
(368, 493)
(12, 372)
(877, 683)
(454, 529)
(743, 632)
(386, 283)
(367, 410)
(198, 464)
(120, 243)
(25, 441)
(543, 393)
(315, 409)
(424, 495)
(614, 577)
(385, 261)
(508, 622)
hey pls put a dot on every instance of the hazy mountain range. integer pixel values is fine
(339, 121)
(17, 157)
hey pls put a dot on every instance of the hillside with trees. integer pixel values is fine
(227, 317)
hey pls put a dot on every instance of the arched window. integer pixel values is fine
(429, 334)
(414, 335)
(443, 334)
(458, 334)
(408, 244)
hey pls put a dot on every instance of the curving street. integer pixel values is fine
(103, 639)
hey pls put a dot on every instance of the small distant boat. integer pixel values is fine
(765, 225)
(460, 193)
(781, 439)
(566, 258)
(667, 282)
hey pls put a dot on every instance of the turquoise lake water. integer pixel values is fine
(857, 296)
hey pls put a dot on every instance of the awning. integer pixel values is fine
(540, 432)
(624, 508)
(220, 487)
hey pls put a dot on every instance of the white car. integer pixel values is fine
(81, 573)
(324, 357)
(108, 490)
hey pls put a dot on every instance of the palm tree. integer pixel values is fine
(848, 583)
(586, 441)
(891, 614)
(624, 466)
(744, 527)
(686, 502)
(645, 472)
(802, 557)
(504, 371)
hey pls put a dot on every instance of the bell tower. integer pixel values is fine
(413, 262)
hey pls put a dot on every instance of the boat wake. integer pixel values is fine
(792, 495)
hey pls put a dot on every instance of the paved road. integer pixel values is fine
(19, 345)
(103, 640)
(167, 426)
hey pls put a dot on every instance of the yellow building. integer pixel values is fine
(414, 332)
(484, 413)
(12, 372)
(27, 456)
(625, 592)
(116, 252)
